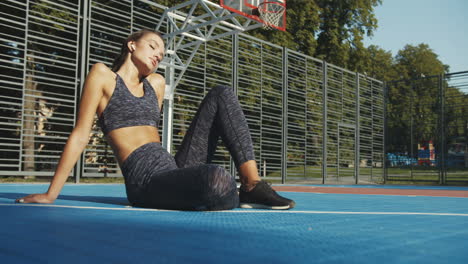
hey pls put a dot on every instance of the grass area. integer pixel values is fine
(425, 172)
(312, 172)
(20, 179)
(316, 172)
(399, 175)
(102, 180)
(426, 176)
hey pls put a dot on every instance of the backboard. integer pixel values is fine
(250, 9)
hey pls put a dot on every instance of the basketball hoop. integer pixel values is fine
(271, 13)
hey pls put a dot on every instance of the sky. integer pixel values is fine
(442, 24)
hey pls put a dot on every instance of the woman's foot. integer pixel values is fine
(262, 196)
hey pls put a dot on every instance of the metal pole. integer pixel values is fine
(356, 134)
(169, 99)
(372, 143)
(261, 111)
(131, 16)
(384, 159)
(338, 151)
(411, 129)
(23, 95)
(284, 165)
(78, 170)
(169, 108)
(306, 121)
(443, 169)
(235, 80)
(324, 120)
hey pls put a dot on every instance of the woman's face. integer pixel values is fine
(147, 52)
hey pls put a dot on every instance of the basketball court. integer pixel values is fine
(330, 224)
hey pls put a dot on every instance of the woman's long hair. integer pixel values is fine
(119, 60)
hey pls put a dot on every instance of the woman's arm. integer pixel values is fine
(78, 139)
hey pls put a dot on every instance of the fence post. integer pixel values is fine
(235, 83)
(384, 159)
(324, 121)
(411, 128)
(357, 134)
(78, 169)
(23, 92)
(284, 148)
(443, 143)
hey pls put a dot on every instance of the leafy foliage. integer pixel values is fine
(329, 30)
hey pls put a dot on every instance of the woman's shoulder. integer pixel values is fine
(101, 68)
(156, 80)
(155, 77)
(158, 83)
(100, 73)
(99, 77)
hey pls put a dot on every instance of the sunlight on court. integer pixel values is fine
(95, 223)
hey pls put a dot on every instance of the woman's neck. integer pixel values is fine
(129, 72)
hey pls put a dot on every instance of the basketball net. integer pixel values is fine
(271, 13)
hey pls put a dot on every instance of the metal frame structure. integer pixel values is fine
(186, 29)
(291, 101)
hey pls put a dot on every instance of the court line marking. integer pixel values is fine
(233, 211)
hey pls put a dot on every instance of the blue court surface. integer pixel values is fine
(95, 224)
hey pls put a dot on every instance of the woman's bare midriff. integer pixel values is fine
(127, 139)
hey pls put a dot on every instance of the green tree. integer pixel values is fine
(378, 64)
(456, 122)
(328, 30)
(417, 61)
(303, 22)
(412, 111)
(343, 24)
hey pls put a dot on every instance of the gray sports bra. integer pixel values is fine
(126, 110)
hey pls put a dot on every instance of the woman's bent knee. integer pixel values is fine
(222, 90)
(221, 193)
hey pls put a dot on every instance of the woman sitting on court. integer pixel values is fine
(128, 100)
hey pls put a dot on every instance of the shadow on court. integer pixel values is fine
(92, 199)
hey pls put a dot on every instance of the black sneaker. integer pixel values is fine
(262, 196)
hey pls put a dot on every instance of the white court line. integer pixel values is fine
(235, 211)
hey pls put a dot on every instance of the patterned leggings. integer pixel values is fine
(155, 179)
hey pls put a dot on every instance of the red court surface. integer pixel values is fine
(374, 191)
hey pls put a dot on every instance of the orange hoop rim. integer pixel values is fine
(262, 6)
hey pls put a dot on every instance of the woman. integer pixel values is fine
(128, 101)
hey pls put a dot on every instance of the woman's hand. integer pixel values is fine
(36, 198)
